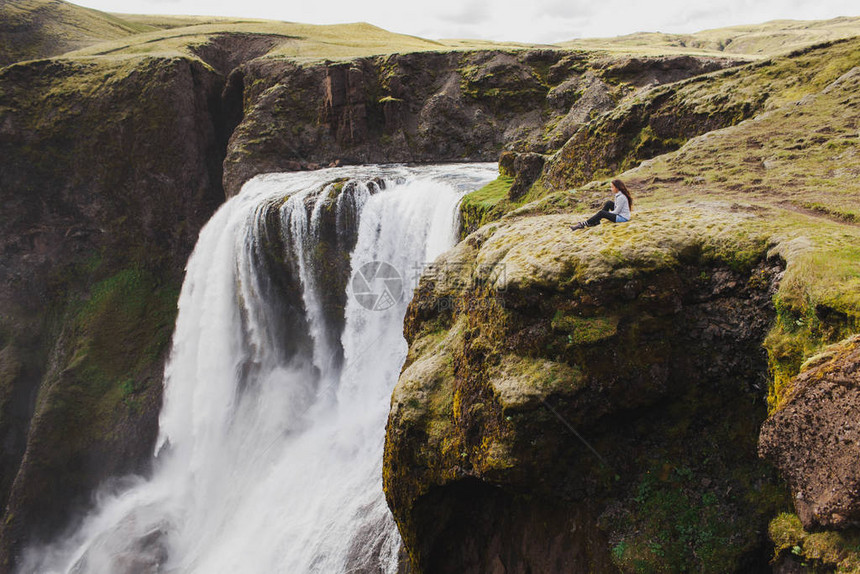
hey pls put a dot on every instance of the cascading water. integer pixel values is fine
(277, 388)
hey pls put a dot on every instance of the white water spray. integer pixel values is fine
(270, 445)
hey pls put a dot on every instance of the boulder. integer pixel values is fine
(814, 438)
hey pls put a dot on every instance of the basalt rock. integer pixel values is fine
(424, 107)
(814, 439)
(109, 170)
(525, 168)
(568, 402)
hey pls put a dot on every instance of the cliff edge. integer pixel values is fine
(592, 400)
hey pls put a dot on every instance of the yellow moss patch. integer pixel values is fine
(543, 251)
(424, 387)
(585, 330)
(834, 550)
(520, 381)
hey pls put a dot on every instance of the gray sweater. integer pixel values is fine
(622, 206)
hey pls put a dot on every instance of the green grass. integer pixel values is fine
(793, 173)
(486, 204)
(59, 27)
(32, 29)
(164, 21)
(295, 41)
(767, 39)
(115, 339)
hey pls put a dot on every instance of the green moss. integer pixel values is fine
(491, 194)
(485, 205)
(519, 381)
(697, 506)
(678, 527)
(825, 551)
(585, 330)
(648, 144)
(818, 304)
(120, 334)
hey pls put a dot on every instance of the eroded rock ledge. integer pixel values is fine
(814, 438)
(648, 348)
(429, 106)
(110, 168)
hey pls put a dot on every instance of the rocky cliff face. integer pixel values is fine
(598, 394)
(564, 396)
(109, 170)
(425, 107)
(813, 438)
(113, 163)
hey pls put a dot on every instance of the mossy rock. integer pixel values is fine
(628, 308)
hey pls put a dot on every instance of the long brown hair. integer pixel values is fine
(619, 185)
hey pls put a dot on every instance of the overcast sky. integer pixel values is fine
(512, 20)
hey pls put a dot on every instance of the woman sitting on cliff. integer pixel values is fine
(617, 211)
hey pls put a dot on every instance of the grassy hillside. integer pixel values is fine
(32, 29)
(293, 40)
(789, 175)
(770, 38)
(43, 28)
(664, 118)
(768, 205)
(165, 22)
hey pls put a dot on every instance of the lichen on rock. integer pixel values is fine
(646, 344)
(813, 438)
(110, 169)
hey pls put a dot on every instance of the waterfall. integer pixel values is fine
(287, 346)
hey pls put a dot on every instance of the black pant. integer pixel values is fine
(603, 214)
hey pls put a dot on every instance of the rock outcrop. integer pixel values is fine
(814, 439)
(109, 170)
(662, 119)
(425, 106)
(582, 391)
(491, 384)
(524, 168)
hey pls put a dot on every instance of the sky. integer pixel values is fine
(534, 21)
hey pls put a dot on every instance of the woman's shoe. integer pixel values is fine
(580, 225)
